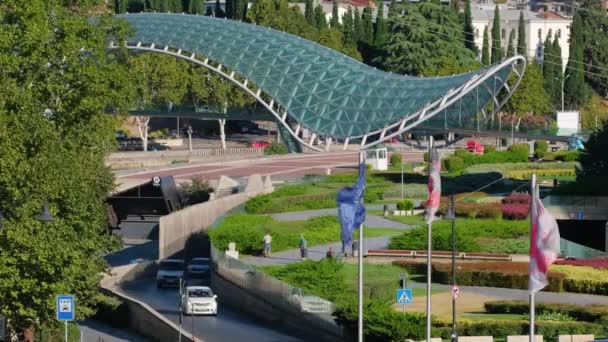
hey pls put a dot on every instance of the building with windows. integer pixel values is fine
(538, 26)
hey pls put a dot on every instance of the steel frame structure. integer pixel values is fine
(392, 127)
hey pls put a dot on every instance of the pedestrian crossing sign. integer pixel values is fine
(404, 296)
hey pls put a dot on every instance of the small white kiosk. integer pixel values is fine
(377, 158)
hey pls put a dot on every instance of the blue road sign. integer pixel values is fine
(65, 307)
(404, 296)
(579, 216)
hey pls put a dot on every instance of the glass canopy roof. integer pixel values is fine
(321, 89)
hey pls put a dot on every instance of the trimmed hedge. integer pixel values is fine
(396, 159)
(526, 174)
(515, 154)
(540, 148)
(588, 313)
(502, 328)
(406, 204)
(565, 156)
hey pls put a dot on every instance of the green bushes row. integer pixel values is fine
(587, 313)
(526, 174)
(406, 204)
(540, 148)
(462, 159)
(270, 203)
(502, 329)
(275, 148)
(396, 159)
(565, 156)
(474, 210)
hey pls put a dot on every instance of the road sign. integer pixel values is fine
(404, 296)
(579, 216)
(455, 292)
(156, 181)
(65, 307)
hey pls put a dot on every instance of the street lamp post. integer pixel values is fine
(44, 216)
(451, 215)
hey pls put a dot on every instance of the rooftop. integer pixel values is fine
(484, 14)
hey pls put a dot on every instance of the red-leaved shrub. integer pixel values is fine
(521, 198)
(515, 211)
(601, 263)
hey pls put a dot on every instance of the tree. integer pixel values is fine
(594, 113)
(260, 12)
(240, 9)
(229, 9)
(496, 55)
(575, 89)
(595, 41)
(511, 46)
(485, 49)
(558, 72)
(368, 26)
(54, 94)
(591, 175)
(530, 96)
(320, 21)
(549, 67)
(218, 12)
(392, 9)
(195, 6)
(380, 32)
(208, 11)
(469, 33)
(335, 20)
(158, 81)
(522, 45)
(347, 26)
(309, 12)
(358, 26)
(413, 49)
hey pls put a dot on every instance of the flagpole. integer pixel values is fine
(428, 258)
(360, 257)
(533, 195)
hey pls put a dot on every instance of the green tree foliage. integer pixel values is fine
(195, 6)
(357, 26)
(120, 6)
(485, 48)
(549, 68)
(197, 191)
(347, 26)
(558, 72)
(380, 31)
(335, 20)
(57, 80)
(368, 26)
(240, 9)
(594, 163)
(522, 45)
(595, 39)
(412, 49)
(594, 113)
(392, 9)
(309, 12)
(229, 8)
(575, 89)
(511, 46)
(320, 21)
(469, 33)
(530, 96)
(218, 12)
(496, 55)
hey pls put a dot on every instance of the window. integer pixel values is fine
(540, 33)
(503, 33)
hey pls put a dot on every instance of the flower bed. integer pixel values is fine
(601, 263)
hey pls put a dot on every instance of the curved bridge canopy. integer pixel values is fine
(313, 87)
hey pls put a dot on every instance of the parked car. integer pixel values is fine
(199, 300)
(199, 267)
(475, 147)
(259, 144)
(170, 271)
(308, 303)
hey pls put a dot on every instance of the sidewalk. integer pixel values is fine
(371, 221)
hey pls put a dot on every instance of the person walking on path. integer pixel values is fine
(330, 253)
(267, 244)
(303, 247)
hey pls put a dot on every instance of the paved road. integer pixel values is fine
(229, 325)
(292, 166)
(95, 331)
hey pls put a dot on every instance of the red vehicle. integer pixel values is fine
(474, 147)
(259, 144)
(393, 140)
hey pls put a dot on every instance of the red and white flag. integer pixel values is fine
(432, 204)
(544, 245)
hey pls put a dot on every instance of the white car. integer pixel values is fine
(170, 271)
(309, 303)
(199, 300)
(199, 267)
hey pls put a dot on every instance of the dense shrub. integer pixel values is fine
(406, 204)
(416, 238)
(540, 148)
(501, 329)
(601, 263)
(517, 198)
(588, 313)
(515, 211)
(275, 148)
(453, 164)
(565, 156)
(489, 148)
(473, 210)
(425, 157)
(246, 230)
(396, 159)
(195, 192)
(527, 174)
(519, 152)
(504, 168)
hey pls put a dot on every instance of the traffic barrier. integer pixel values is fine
(575, 338)
(524, 338)
(475, 339)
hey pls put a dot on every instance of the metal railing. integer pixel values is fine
(312, 310)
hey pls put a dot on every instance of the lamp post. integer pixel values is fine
(451, 215)
(44, 216)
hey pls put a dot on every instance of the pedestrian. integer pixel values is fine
(303, 247)
(329, 254)
(267, 244)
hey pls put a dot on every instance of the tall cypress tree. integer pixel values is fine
(558, 72)
(454, 4)
(549, 67)
(195, 6)
(218, 12)
(240, 8)
(511, 46)
(496, 41)
(392, 9)
(229, 9)
(309, 12)
(320, 21)
(347, 26)
(485, 49)
(357, 26)
(522, 45)
(381, 32)
(208, 11)
(335, 20)
(575, 88)
(368, 26)
(469, 33)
